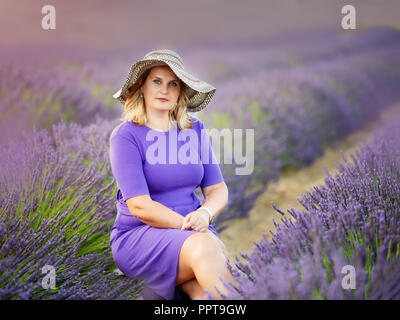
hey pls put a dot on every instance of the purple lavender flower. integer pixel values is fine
(347, 222)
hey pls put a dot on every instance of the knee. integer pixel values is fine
(204, 245)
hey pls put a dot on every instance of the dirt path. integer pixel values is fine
(242, 233)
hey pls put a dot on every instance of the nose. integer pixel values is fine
(164, 88)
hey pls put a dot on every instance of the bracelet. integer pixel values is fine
(211, 220)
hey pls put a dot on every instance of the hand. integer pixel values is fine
(196, 220)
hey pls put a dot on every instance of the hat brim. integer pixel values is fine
(199, 92)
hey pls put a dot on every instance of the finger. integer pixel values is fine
(200, 227)
(194, 225)
(189, 224)
(186, 221)
(186, 227)
(195, 222)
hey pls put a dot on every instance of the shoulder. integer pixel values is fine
(197, 123)
(124, 131)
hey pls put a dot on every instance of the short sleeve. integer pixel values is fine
(127, 167)
(212, 171)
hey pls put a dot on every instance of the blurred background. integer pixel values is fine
(131, 24)
(95, 42)
(285, 68)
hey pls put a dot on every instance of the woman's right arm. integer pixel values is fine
(154, 213)
(127, 168)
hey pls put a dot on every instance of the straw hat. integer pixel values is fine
(199, 92)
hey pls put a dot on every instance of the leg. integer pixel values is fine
(185, 278)
(202, 256)
(193, 289)
(221, 244)
(185, 270)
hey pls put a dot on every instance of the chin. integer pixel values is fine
(162, 107)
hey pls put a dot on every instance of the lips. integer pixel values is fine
(162, 100)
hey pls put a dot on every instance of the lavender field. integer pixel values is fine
(352, 220)
(57, 192)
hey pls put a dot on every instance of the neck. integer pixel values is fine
(159, 123)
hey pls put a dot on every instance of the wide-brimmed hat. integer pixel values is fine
(199, 92)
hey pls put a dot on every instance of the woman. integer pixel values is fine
(162, 234)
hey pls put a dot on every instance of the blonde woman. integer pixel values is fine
(162, 234)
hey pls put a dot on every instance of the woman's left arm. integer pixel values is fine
(216, 197)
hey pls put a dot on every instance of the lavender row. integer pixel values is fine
(297, 113)
(35, 97)
(352, 220)
(39, 89)
(226, 61)
(56, 209)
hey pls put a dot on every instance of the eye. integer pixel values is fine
(157, 80)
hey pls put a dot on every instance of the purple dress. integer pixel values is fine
(168, 166)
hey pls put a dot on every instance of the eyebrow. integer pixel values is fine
(158, 77)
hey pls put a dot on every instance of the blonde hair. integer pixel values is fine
(135, 111)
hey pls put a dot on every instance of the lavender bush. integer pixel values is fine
(354, 219)
(56, 208)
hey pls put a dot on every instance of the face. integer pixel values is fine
(161, 83)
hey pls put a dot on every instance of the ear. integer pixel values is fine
(140, 84)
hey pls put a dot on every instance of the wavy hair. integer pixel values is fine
(135, 111)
